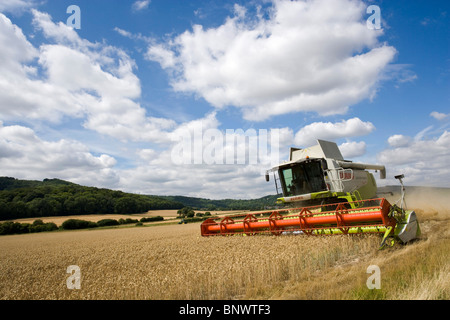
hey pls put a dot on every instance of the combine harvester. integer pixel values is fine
(323, 194)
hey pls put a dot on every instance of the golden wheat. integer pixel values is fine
(175, 262)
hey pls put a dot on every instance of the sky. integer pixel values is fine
(199, 98)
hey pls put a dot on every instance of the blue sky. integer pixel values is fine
(104, 105)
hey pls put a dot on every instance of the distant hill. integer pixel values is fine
(55, 197)
(7, 183)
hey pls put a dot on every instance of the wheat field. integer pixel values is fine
(173, 262)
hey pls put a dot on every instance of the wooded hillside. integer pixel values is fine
(54, 197)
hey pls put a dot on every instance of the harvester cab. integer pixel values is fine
(320, 175)
(323, 194)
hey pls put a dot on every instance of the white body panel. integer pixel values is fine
(408, 231)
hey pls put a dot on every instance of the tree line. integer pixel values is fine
(56, 198)
(10, 227)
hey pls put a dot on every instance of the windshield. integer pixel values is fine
(302, 178)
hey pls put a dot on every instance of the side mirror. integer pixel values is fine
(267, 177)
(324, 164)
(383, 173)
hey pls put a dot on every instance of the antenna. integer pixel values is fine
(400, 177)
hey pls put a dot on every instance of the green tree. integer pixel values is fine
(125, 205)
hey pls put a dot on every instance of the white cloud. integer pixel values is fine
(15, 5)
(160, 176)
(424, 161)
(399, 140)
(140, 5)
(15, 48)
(24, 155)
(421, 134)
(308, 56)
(59, 31)
(80, 79)
(439, 115)
(21, 94)
(162, 55)
(176, 170)
(354, 127)
(352, 149)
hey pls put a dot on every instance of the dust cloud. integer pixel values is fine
(432, 202)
